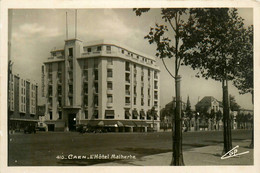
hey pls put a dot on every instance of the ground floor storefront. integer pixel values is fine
(72, 124)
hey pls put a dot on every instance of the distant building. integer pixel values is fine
(23, 95)
(100, 84)
(209, 103)
(167, 113)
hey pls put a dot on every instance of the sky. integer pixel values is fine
(34, 33)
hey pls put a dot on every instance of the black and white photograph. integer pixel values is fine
(160, 86)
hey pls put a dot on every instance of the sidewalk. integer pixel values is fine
(209, 155)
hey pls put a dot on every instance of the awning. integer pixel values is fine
(94, 123)
(128, 123)
(135, 113)
(141, 123)
(109, 113)
(110, 123)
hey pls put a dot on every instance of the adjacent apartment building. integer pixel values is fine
(101, 84)
(22, 102)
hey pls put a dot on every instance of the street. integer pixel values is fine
(48, 148)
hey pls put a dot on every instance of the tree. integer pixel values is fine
(244, 77)
(212, 44)
(233, 104)
(171, 48)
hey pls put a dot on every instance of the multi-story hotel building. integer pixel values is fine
(22, 102)
(101, 84)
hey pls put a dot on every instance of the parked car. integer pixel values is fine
(30, 129)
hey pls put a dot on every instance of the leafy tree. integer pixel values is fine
(244, 77)
(233, 104)
(212, 44)
(170, 47)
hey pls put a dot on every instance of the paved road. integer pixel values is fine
(41, 149)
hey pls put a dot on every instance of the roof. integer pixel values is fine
(206, 101)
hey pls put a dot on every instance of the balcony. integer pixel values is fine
(109, 91)
(155, 77)
(127, 104)
(156, 87)
(109, 105)
(155, 97)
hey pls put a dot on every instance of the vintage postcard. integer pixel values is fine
(121, 86)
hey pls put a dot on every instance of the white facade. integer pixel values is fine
(100, 81)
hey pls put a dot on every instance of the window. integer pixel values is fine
(50, 115)
(71, 89)
(96, 100)
(85, 88)
(85, 66)
(96, 74)
(148, 102)
(148, 91)
(149, 72)
(155, 85)
(127, 66)
(123, 51)
(85, 101)
(127, 89)
(127, 77)
(108, 48)
(127, 114)
(142, 78)
(109, 85)
(109, 99)
(142, 101)
(96, 114)
(142, 91)
(96, 87)
(70, 51)
(89, 49)
(135, 90)
(109, 61)
(50, 68)
(127, 100)
(59, 67)
(155, 75)
(60, 115)
(96, 63)
(134, 100)
(99, 48)
(86, 114)
(109, 73)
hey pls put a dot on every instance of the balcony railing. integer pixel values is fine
(109, 104)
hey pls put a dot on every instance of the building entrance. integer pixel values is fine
(72, 122)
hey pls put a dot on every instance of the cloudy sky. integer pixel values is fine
(36, 32)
